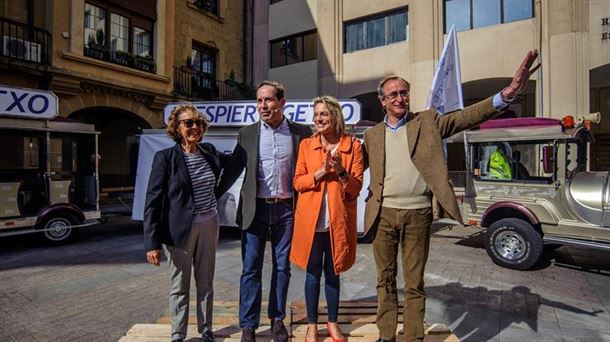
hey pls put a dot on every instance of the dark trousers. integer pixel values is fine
(275, 220)
(321, 258)
(408, 229)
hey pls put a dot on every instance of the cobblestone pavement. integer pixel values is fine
(97, 287)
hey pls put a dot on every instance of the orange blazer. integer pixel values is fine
(342, 201)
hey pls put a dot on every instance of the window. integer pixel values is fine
(141, 42)
(119, 33)
(63, 157)
(95, 21)
(210, 6)
(504, 161)
(204, 65)
(469, 14)
(378, 30)
(294, 49)
(25, 152)
(485, 13)
(125, 39)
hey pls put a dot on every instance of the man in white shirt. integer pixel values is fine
(267, 150)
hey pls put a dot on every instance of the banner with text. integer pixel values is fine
(28, 103)
(244, 113)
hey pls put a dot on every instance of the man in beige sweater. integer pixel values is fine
(407, 164)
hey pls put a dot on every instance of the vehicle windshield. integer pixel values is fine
(22, 151)
(511, 161)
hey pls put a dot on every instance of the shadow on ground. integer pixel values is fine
(481, 314)
(119, 240)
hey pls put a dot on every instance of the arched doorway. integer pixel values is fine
(599, 85)
(117, 143)
(370, 106)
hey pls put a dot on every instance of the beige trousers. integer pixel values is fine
(199, 254)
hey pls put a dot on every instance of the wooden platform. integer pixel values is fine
(350, 312)
(356, 319)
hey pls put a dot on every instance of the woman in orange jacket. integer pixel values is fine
(328, 179)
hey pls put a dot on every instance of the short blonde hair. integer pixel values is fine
(336, 114)
(173, 125)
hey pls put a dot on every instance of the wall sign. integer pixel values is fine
(236, 113)
(28, 103)
(605, 22)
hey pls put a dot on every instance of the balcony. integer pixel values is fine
(196, 85)
(120, 57)
(25, 43)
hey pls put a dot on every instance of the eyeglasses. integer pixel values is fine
(190, 123)
(394, 95)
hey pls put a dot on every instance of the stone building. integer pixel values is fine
(344, 47)
(116, 64)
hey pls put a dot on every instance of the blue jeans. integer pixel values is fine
(277, 220)
(321, 258)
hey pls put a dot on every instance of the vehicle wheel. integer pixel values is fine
(513, 243)
(56, 229)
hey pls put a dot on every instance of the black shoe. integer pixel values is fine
(178, 339)
(207, 336)
(248, 335)
(279, 331)
(380, 340)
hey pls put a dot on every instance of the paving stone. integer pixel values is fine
(96, 288)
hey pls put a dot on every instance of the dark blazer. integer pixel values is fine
(245, 155)
(424, 132)
(169, 208)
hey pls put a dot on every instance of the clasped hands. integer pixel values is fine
(331, 164)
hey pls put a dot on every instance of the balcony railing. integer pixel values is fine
(121, 57)
(25, 43)
(197, 85)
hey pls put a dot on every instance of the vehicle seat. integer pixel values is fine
(520, 171)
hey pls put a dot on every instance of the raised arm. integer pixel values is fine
(471, 116)
(522, 75)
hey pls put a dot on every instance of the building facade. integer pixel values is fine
(116, 64)
(344, 47)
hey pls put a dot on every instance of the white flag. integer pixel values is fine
(446, 91)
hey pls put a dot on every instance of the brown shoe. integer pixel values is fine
(248, 335)
(280, 334)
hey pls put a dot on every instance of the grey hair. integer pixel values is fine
(380, 93)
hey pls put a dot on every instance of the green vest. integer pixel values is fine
(499, 168)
